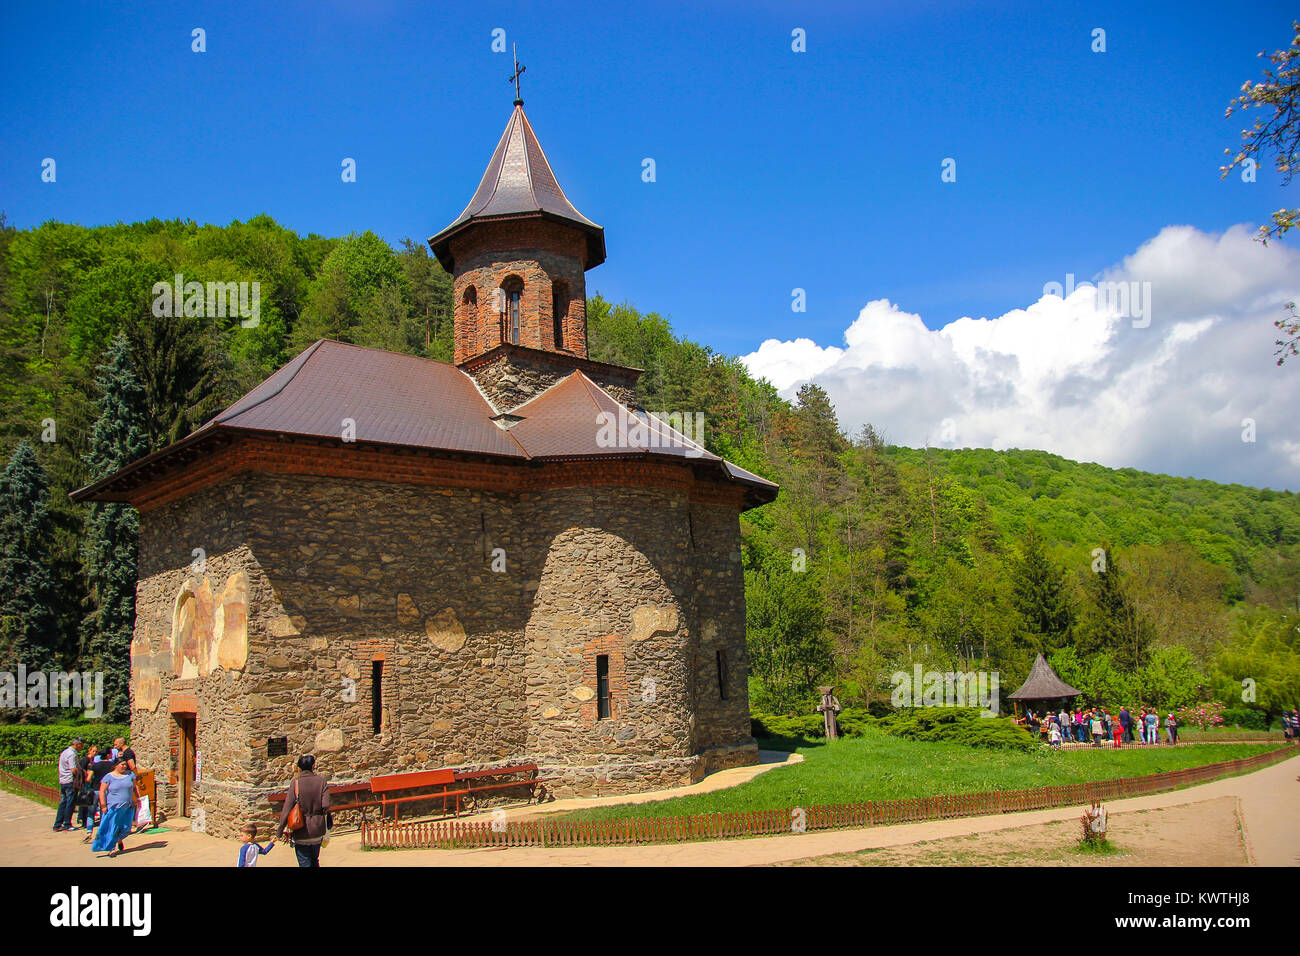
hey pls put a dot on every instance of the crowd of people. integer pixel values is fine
(1100, 727)
(101, 790)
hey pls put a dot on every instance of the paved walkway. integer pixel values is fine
(1270, 806)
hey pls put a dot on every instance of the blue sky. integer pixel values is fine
(775, 169)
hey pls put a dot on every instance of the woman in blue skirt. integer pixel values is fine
(118, 796)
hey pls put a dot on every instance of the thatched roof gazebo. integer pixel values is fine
(1042, 684)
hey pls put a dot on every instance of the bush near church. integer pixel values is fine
(34, 742)
(959, 725)
(1247, 718)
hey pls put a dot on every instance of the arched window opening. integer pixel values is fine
(513, 288)
(559, 310)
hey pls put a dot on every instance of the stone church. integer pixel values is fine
(402, 564)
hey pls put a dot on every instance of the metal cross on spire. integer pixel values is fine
(514, 77)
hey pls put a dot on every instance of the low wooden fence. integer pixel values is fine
(28, 788)
(452, 834)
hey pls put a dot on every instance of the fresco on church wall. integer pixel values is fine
(210, 631)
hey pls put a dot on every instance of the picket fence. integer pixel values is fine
(24, 786)
(454, 834)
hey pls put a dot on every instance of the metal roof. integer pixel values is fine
(519, 181)
(393, 399)
(402, 400)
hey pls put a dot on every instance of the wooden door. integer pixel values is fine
(189, 734)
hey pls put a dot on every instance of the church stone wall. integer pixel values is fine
(189, 653)
(480, 667)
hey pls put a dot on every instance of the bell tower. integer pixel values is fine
(518, 255)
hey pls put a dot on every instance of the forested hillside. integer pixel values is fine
(874, 557)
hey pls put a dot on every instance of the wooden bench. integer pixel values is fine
(471, 779)
(417, 780)
(466, 784)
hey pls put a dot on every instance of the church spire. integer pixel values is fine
(518, 252)
(519, 182)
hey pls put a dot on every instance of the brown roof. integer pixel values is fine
(394, 399)
(403, 400)
(1043, 684)
(518, 181)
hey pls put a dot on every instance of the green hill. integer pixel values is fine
(872, 559)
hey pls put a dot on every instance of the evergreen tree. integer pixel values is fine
(28, 632)
(1112, 623)
(119, 437)
(1039, 593)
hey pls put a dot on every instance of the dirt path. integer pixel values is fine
(1269, 810)
(1208, 833)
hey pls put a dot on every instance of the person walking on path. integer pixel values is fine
(68, 786)
(118, 796)
(310, 792)
(1153, 727)
(1096, 731)
(1126, 723)
(99, 769)
(1117, 729)
(1171, 728)
(250, 849)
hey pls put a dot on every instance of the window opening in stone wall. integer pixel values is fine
(559, 309)
(602, 686)
(376, 695)
(514, 290)
(722, 675)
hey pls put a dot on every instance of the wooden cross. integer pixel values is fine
(514, 77)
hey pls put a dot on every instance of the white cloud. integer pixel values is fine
(1163, 385)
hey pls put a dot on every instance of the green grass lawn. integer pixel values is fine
(46, 775)
(49, 776)
(881, 767)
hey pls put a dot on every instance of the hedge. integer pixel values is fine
(961, 725)
(32, 741)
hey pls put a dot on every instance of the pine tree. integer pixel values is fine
(1111, 623)
(28, 632)
(1039, 594)
(119, 437)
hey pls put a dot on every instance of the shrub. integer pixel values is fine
(1245, 717)
(35, 740)
(959, 725)
(852, 722)
(1202, 716)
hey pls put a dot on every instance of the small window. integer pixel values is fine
(602, 686)
(470, 298)
(513, 287)
(559, 310)
(722, 675)
(376, 695)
